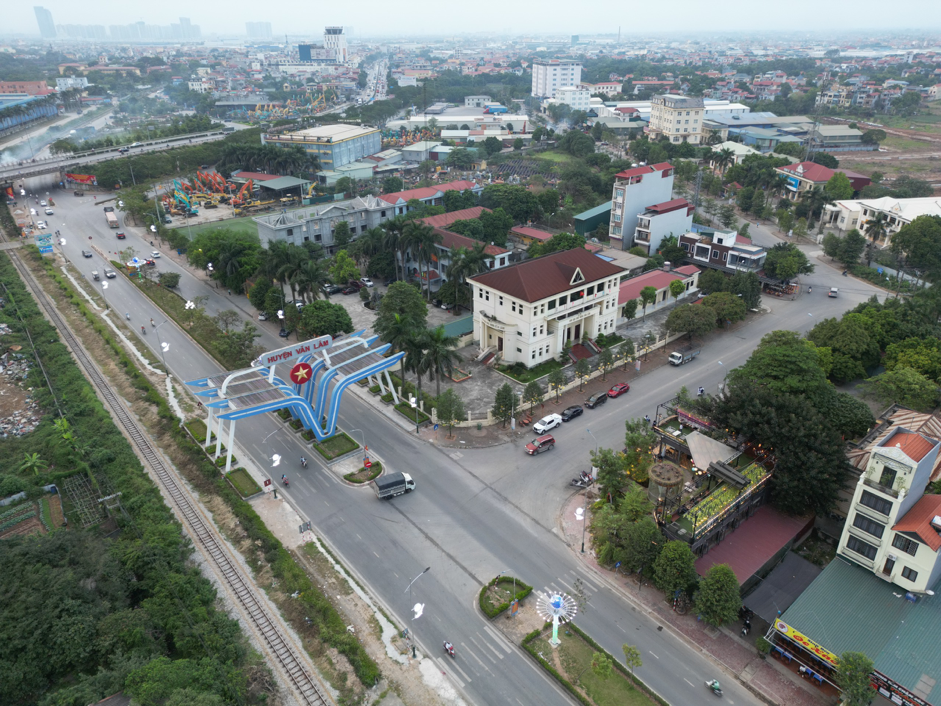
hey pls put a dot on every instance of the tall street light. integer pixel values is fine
(409, 591)
(163, 348)
(585, 510)
(413, 401)
(365, 448)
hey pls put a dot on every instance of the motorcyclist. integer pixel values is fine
(127, 316)
(449, 648)
(303, 462)
(143, 330)
(714, 685)
(152, 323)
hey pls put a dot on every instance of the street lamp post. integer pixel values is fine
(413, 401)
(409, 591)
(163, 353)
(585, 510)
(364, 441)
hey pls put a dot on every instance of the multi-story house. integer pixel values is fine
(893, 529)
(661, 220)
(427, 195)
(677, 118)
(723, 249)
(317, 223)
(527, 313)
(634, 190)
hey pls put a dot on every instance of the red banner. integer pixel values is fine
(82, 178)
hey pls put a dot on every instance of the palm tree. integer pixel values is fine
(815, 199)
(309, 278)
(393, 241)
(439, 356)
(415, 358)
(296, 257)
(876, 230)
(724, 158)
(422, 239)
(398, 334)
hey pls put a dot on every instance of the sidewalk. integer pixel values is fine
(767, 678)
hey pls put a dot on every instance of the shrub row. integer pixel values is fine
(522, 590)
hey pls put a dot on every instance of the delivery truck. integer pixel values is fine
(683, 356)
(392, 484)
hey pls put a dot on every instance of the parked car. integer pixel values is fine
(596, 399)
(86, 253)
(79, 193)
(167, 220)
(121, 236)
(570, 413)
(263, 316)
(366, 281)
(284, 333)
(331, 288)
(619, 389)
(356, 284)
(550, 421)
(349, 290)
(41, 225)
(540, 444)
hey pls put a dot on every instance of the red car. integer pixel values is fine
(121, 236)
(619, 389)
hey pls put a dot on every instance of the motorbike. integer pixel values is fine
(449, 648)
(578, 483)
(844, 273)
(714, 688)
(284, 479)
(304, 462)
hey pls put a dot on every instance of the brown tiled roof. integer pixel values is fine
(918, 521)
(443, 220)
(927, 424)
(542, 277)
(456, 240)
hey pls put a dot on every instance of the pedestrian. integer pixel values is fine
(230, 292)
(647, 418)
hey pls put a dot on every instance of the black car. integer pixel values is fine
(331, 289)
(86, 253)
(284, 333)
(596, 399)
(571, 412)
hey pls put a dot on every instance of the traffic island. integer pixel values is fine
(575, 667)
(496, 596)
(364, 475)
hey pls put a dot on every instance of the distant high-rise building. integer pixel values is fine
(335, 41)
(549, 76)
(574, 39)
(47, 28)
(258, 30)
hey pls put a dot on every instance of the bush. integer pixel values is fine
(492, 611)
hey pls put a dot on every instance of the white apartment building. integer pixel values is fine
(634, 191)
(65, 83)
(893, 529)
(549, 76)
(854, 213)
(335, 41)
(574, 97)
(677, 117)
(526, 312)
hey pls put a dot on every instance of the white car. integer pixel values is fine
(550, 421)
(49, 212)
(41, 224)
(32, 211)
(366, 281)
(155, 254)
(43, 203)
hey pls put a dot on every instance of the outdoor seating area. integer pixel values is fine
(698, 513)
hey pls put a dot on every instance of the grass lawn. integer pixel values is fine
(554, 156)
(243, 482)
(364, 475)
(529, 374)
(901, 143)
(574, 657)
(335, 446)
(407, 411)
(245, 224)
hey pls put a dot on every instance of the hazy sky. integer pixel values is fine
(375, 18)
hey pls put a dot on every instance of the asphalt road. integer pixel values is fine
(475, 513)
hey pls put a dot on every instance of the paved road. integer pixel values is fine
(475, 513)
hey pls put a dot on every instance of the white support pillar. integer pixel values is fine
(228, 450)
(395, 397)
(382, 388)
(219, 440)
(209, 419)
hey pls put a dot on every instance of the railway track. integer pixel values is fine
(201, 531)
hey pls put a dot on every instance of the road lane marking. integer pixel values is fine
(358, 537)
(482, 650)
(498, 637)
(326, 503)
(477, 658)
(377, 556)
(689, 682)
(588, 585)
(653, 654)
(459, 671)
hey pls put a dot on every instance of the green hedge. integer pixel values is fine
(566, 684)
(375, 470)
(522, 590)
(328, 623)
(406, 410)
(335, 446)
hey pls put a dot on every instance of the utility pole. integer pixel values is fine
(698, 186)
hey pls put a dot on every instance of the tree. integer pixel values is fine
(392, 184)
(533, 395)
(605, 362)
(920, 243)
(674, 568)
(727, 307)
(557, 243)
(343, 268)
(611, 475)
(696, 321)
(785, 220)
(601, 665)
(403, 299)
(677, 287)
(719, 599)
(518, 144)
(450, 409)
(852, 246)
(341, 234)
(785, 261)
(32, 463)
(826, 159)
(747, 286)
(258, 293)
(629, 310)
(838, 187)
(504, 403)
(903, 386)
(921, 354)
(461, 158)
(853, 678)
(800, 228)
(744, 198)
(169, 279)
(727, 216)
(321, 318)
(648, 295)
(439, 354)
(226, 320)
(582, 370)
(492, 146)
(556, 381)
(632, 658)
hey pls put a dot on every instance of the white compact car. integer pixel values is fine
(548, 422)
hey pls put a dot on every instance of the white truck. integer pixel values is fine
(388, 486)
(683, 356)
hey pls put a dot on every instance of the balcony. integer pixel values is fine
(881, 488)
(642, 236)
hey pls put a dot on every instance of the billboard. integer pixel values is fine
(792, 183)
(289, 353)
(82, 178)
(797, 637)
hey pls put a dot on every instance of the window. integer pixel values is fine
(480, 294)
(534, 331)
(862, 548)
(868, 526)
(500, 301)
(317, 238)
(290, 232)
(513, 304)
(542, 329)
(533, 356)
(563, 301)
(519, 350)
(600, 287)
(715, 254)
(880, 505)
(551, 304)
(909, 574)
(905, 544)
(888, 477)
